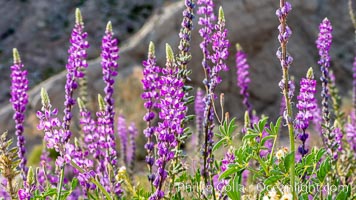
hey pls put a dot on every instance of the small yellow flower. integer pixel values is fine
(121, 174)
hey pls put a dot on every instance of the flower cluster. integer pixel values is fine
(284, 34)
(76, 61)
(199, 113)
(185, 34)
(306, 105)
(350, 130)
(323, 43)
(122, 132)
(151, 84)
(172, 113)
(243, 78)
(19, 100)
(131, 154)
(206, 10)
(109, 55)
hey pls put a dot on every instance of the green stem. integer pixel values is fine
(272, 151)
(262, 164)
(98, 184)
(101, 188)
(59, 188)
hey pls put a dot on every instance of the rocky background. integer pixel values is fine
(40, 29)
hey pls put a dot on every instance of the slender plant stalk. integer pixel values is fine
(289, 112)
(59, 188)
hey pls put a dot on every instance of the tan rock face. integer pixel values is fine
(251, 23)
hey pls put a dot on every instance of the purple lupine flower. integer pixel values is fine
(45, 172)
(350, 130)
(323, 43)
(185, 34)
(317, 118)
(24, 195)
(306, 105)
(229, 158)
(284, 34)
(80, 157)
(104, 168)
(3, 192)
(285, 59)
(151, 84)
(51, 125)
(133, 132)
(199, 113)
(19, 100)
(268, 145)
(172, 114)
(76, 61)
(109, 55)
(220, 46)
(206, 10)
(338, 135)
(122, 132)
(88, 126)
(243, 78)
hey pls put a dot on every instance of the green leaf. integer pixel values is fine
(232, 126)
(228, 172)
(262, 124)
(272, 179)
(74, 183)
(320, 154)
(219, 143)
(278, 125)
(221, 130)
(250, 136)
(324, 169)
(235, 184)
(288, 160)
(341, 196)
(267, 138)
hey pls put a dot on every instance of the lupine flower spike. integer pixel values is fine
(172, 113)
(76, 61)
(109, 56)
(122, 132)
(151, 84)
(199, 114)
(243, 78)
(185, 36)
(133, 132)
(206, 11)
(323, 44)
(306, 105)
(285, 84)
(19, 101)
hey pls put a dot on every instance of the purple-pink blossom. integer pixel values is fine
(19, 101)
